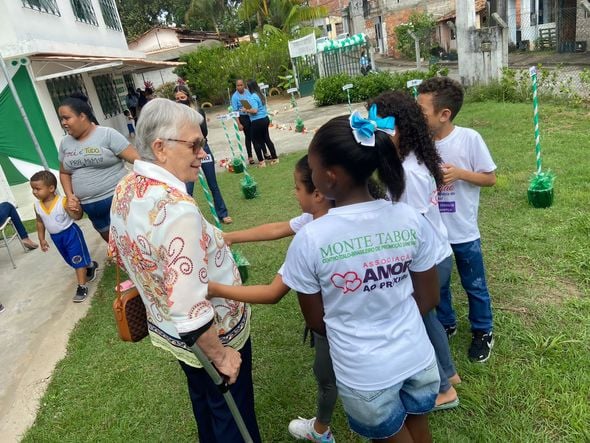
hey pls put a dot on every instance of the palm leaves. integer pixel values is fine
(282, 14)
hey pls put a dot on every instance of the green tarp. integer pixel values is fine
(15, 140)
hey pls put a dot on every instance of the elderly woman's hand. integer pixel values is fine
(229, 364)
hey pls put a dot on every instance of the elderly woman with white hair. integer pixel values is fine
(170, 252)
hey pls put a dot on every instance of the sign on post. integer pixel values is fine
(302, 46)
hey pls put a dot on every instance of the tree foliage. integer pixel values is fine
(422, 25)
(139, 16)
(211, 72)
(282, 14)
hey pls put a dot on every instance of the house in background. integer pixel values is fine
(53, 48)
(563, 25)
(161, 44)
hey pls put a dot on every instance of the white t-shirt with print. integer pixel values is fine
(296, 223)
(421, 194)
(458, 202)
(359, 257)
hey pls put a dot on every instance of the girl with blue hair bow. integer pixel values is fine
(364, 273)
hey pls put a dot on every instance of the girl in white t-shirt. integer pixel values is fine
(314, 205)
(423, 176)
(363, 273)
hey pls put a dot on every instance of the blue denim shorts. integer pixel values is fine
(381, 414)
(99, 213)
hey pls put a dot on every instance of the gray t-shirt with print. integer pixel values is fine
(93, 163)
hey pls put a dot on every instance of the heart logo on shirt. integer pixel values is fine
(348, 282)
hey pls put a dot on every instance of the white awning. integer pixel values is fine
(48, 66)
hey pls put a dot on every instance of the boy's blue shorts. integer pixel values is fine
(72, 247)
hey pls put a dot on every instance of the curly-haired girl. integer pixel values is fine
(423, 175)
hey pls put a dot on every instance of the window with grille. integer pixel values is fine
(129, 83)
(84, 11)
(107, 94)
(63, 87)
(109, 14)
(48, 6)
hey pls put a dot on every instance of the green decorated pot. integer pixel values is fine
(249, 190)
(540, 198)
(238, 166)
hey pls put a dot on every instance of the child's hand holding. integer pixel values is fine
(44, 245)
(450, 173)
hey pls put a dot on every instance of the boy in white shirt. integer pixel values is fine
(467, 166)
(53, 214)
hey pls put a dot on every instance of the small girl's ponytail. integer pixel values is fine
(389, 167)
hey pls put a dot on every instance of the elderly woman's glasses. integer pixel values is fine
(196, 146)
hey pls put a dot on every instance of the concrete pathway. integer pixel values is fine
(34, 328)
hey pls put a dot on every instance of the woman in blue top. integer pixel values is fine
(259, 118)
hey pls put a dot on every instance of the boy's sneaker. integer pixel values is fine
(481, 346)
(302, 429)
(451, 331)
(81, 294)
(91, 271)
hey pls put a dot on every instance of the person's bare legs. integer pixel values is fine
(81, 276)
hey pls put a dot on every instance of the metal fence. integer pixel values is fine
(565, 82)
(342, 60)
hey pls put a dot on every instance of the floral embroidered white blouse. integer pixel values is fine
(170, 251)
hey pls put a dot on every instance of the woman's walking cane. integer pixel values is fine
(223, 387)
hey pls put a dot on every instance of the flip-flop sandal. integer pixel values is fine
(448, 405)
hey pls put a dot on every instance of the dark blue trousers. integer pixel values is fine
(7, 210)
(215, 422)
(209, 171)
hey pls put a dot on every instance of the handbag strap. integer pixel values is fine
(118, 277)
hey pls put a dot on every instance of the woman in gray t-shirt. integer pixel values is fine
(91, 161)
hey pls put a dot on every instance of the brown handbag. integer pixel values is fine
(130, 315)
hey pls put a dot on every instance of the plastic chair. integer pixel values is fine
(6, 239)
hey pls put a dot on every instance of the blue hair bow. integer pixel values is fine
(364, 129)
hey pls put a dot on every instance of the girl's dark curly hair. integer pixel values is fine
(412, 129)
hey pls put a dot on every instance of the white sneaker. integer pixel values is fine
(302, 429)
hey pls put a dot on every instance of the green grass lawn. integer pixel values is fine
(534, 388)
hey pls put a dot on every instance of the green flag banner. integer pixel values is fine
(15, 140)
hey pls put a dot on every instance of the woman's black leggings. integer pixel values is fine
(261, 137)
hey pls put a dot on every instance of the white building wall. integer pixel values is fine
(25, 31)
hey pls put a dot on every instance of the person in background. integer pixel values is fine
(241, 93)
(7, 209)
(260, 123)
(91, 162)
(132, 100)
(365, 65)
(182, 95)
(130, 123)
(170, 251)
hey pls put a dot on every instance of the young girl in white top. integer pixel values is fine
(355, 271)
(314, 205)
(423, 176)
